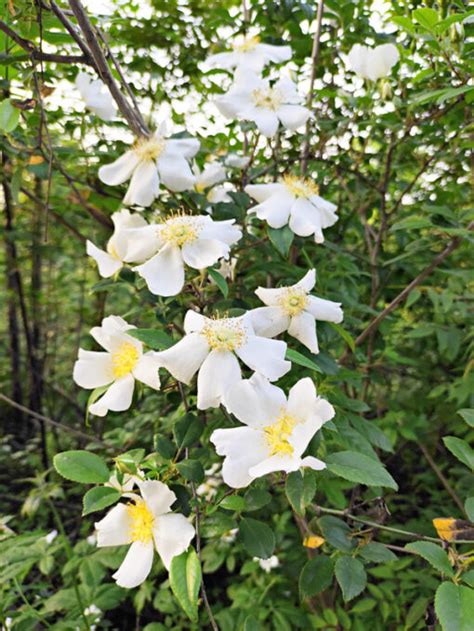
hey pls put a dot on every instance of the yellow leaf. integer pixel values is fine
(313, 541)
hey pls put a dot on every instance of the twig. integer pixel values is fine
(309, 98)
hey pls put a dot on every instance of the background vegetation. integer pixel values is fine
(397, 159)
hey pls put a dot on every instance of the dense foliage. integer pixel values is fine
(353, 546)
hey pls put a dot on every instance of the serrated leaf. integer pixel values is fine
(351, 576)
(461, 449)
(185, 581)
(359, 468)
(257, 538)
(219, 280)
(81, 466)
(187, 430)
(337, 533)
(426, 17)
(316, 576)
(301, 360)
(404, 22)
(454, 606)
(153, 338)
(165, 447)
(300, 490)
(281, 239)
(435, 555)
(98, 498)
(191, 470)
(233, 502)
(377, 553)
(9, 116)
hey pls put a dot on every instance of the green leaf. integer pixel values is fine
(301, 360)
(454, 606)
(153, 338)
(9, 116)
(251, 624)
(460, 449)
(377, 553)
(316, 576)
(81, 466)
(191, 470)
(165, 447)
(435, 555)
(415, 612)
(468, 415)
(337, 533)
(219, 280)
(98, 498)
(346, 336)
(281, 239)
(233, 502)
(426, 17)
(359, 468)
(185, 581)
(300, 490)
(257, 538)
(187, 430)
(469, 506)
(404, 22)
(351, 576)
(256, 499)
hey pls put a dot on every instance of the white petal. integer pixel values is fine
(243, 447)
(262, 192)
(269, 321)
(327, 210)
(275, 211)
(270, 296)
(172, 534)
(117, 398)
(157, 496)
(218, 372)
(119, 171)
(115, 528)
(136, 566)
(187, 147)
(265, 356)
(357, 59)
(93, 369)
(164, 272)
(276, 54)
(212, 174)
(313, 463)
(305, 219)
(303, 328)
(146, 370)
(380, 61)
(184, 358)
(303, 433)
(293, 116)
(302, 399)
(123, 219)
(255, 401)
(107, 264)
(225, 231)
(325, 310)
(175, 172)
(135, 245)
(144, 185)
(266, 121)
(275, 463)
(202, 253)
(194, 322)
(308, 281)
(324, 410)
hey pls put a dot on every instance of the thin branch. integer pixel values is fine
(309, 98)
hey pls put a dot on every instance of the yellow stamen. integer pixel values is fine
(180, 230)
(268, 98)
(142, 519)
(149, 148)
(293, 301)
(278, 433)
(200, 188)
(249, 44)
(124, 359)
(225, 334)
(112, 250)
(300, 186)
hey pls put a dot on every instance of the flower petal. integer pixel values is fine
(269, 321)
(136, 566)
(202, 253)
(313, 463)
(293, 116)
(218, 372)
(146, 370)
(243, 447)
(115, 528)
(187, 147)
(117, 398)
(303, 433)
(266, 121)
(172, 534)
(255, 401)
(194, 321)
(275, 463)
(305, 220)
(158, 497)
(262, 192)
(325, 310)
(184, 358)
(164, 272)
(144, 185)
(307, 282)
(107, 264)
(302, 399)
(275, 210)
(93, 369)
(175, 172)
(303, 328)
(119, 171)
(265, 356)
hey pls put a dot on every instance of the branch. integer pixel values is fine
(134, 119)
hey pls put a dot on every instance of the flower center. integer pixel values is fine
(112, 251)
(300, 186)
(124, 359)
(149, 148)
(224, 335)
(142, 519)
(249, 44)
(180, 230)
(199, 187)
(277, 435)
(293, 301)
(268, 98)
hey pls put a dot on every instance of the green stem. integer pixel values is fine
(29, 606)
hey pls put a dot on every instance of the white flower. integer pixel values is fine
(268, 564)
(213, 480)
(92, 610)
(122, 363)
(149, 161)
(51, 536)
(206, 180)
(252, 98)
(196, 240)
(236, 161)
(277, 430)
(373, 63)
(220, 194)
(147, 524)
(118, 249)
(294, 201)
(92, 539)
(229, 536)
(226, 269)
(126, 485)
(212, 347)
(292, 309)
(248, 53)
(96, 96)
